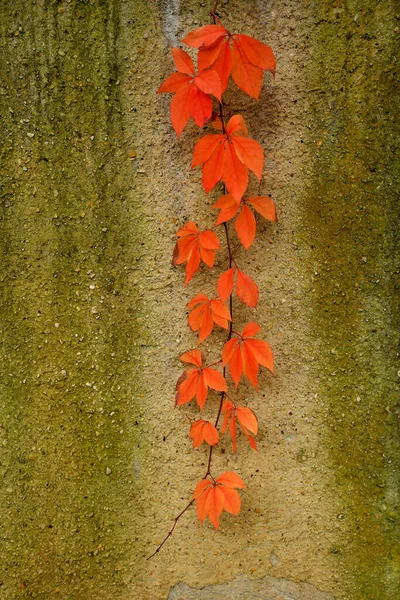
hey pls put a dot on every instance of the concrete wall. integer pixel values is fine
(95, 460)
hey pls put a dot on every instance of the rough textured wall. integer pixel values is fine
(95, 460)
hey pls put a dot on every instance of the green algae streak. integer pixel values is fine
(71, 432)
(350, 235)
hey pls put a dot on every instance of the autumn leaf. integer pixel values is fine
(246, 288)
(243, 354)
(228, 156)
(214, 496)
(193, 246)
(195, 382)
(205, 313)
(245, 61)
(203, 431)
(192, 92)
(245, 223)
(246, 418)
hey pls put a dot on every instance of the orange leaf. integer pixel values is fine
(229, 207)
(203, 431)
(247, 419)
(225, 284)
(193, 246)
(264, 205)
(214, 379)
(250, 365)
(173, 83)
(207, 325)
(204, 36)
(192, 92)
(231, 480)
(245, 226)
(213, 169)
(212, 497)
(249, 153)
(208, 81)
(193, 357)
(235, 173)
(180, 112)
(246, 76)
(187, 389)
(250, 330)
(183, 61)
(262, 352)
(236, 365)
(246, 289)
(236, 124)
(205, 147)
(200, 106)
(257, 53)
(243, 354)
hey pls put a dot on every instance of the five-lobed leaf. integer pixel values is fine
(193, 246)
(214, 496)
(228, 156)
(192, 92)
(246, 418)
(246, 288)
(245, 223)
(203, 431)
(246, 61)
(194, 383)
(243, 353)
(205, 313)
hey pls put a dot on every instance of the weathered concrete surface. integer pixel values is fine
(95, 459)
(242, 588)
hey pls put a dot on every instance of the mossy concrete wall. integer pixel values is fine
(95, 460)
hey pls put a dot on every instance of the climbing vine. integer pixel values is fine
(226, 155)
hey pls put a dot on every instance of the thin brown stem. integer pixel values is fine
(172, 529)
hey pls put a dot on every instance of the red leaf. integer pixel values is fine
(245, 226)
(231, 480)
(205, 147)
(173, 83)
(244, 74)
(225, 284)
(250, 153)
(214, 379)
(203, 431)
(264, 205)
(235, 174)
(246, 289)
(193, 357)
(183, 61)
(209, 82)
(212, 497)
(250, 330)
(257, 53)
(204, 36)
(200, 106)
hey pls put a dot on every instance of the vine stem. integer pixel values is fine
(172, 529)
(223, 394)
